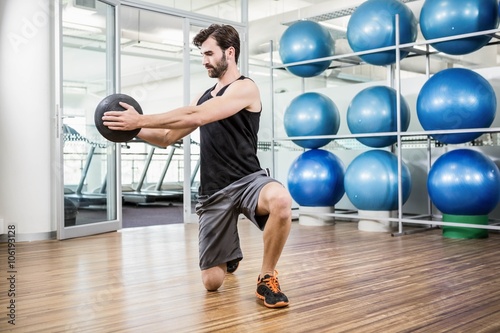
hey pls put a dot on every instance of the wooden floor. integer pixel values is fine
(338, 279)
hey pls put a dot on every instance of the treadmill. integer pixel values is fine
(160, 191)
(78, 197)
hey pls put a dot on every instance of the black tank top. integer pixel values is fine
(228, 147)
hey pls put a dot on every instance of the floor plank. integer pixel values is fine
(338, 279)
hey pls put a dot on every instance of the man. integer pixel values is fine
(231, 179)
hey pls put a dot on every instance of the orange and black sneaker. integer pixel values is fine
(268, 290)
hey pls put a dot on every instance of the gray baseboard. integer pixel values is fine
(39, 236)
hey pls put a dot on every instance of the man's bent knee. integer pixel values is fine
(281, 206)
(276, 201)
(213, 277)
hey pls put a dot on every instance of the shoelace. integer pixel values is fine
(272, 283)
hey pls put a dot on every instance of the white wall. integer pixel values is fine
(25, 116)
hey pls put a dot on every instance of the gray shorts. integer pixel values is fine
(218, 217)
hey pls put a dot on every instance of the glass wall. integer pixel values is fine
(154, 48)
(152, 72)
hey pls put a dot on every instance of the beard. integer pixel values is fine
(219, 69)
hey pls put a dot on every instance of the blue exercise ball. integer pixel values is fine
(306, 40)
(456, 98)
(374, 110)
(446, 18)
(464, 182)
(371, 181)
(316, 179)
(372, 26)
(310, 114)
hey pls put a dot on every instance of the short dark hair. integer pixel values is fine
(225, 36)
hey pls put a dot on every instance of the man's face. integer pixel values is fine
(214, 59)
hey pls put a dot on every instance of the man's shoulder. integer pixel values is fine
(243, 82)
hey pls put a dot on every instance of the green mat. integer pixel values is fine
(461, 232)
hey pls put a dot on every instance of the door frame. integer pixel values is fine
(114, 221)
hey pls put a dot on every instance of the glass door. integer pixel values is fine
(151, 72)
(90, 164)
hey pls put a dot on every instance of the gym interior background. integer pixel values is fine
(59, 58)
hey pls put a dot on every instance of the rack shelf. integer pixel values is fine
(405, 139)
